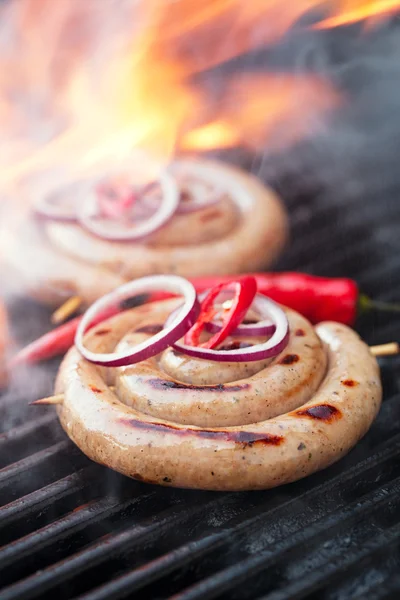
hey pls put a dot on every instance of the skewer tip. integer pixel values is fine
(56, 399)
(50, 400)
(67, 309)
(389, 349)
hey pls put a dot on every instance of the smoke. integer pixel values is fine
(341, 183)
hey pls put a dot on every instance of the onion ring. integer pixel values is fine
(181, 323)
(203, 193)
(56, 204)
(258, 329)
(108, 229)
(196, 201)
(268, 349)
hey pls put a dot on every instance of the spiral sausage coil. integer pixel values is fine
(184, 422)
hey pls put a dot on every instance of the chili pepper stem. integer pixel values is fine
(365, 304)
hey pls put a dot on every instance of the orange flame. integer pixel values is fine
(86, 83)
(275, 111)
(353, 11)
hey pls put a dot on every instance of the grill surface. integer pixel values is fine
(72, 529)
(76, 530)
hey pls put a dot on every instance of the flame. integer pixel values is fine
(353, 11)
(218, 134)
(275, 111)
(85, 84)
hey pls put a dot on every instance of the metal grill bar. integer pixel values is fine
(387, 272)
(386, 332)
(154, 570)
(384, 590)
(353, 559)
(32, 461)
(42, 499)
(231, 577)
(71, 523)
(303, 250)
(23, 431)
(49, 464)
(108, 546)
(136, 579)
(76, 565)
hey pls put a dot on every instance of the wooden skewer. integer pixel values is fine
(66, 310)
(385, 349)
(57, 399)
(389, 349)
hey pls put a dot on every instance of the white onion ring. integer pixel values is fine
(199, 200)
(105, 230)
(182, 322)
(197, 203)
(268, 349)
(57, 205)
(47, 211)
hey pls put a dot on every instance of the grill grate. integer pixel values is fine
(74, 529)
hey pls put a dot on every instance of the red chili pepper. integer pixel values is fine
(245, 290)
(55, 342)
(317, 298)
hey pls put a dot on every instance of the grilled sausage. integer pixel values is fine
(244, 232)
(305, 416)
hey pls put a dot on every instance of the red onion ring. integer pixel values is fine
(268, 349)
(50, 205)
(200, 198)
(113, 207)
(261, 328)
(108, 229)
(246, 329)
(195, 203)
(181, 323)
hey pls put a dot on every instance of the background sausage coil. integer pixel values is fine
(245, 231)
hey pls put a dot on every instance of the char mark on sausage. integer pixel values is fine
(246, 438)
(321, 412)
(165, 384)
